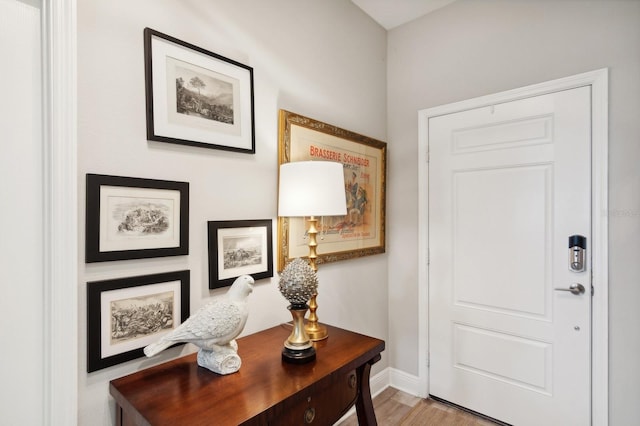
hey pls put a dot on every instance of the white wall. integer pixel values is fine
(22, 195)
(472, 48)
(325, 60)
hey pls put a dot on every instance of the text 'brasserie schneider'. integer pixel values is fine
(327, 154)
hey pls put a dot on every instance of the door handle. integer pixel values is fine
(576, 289)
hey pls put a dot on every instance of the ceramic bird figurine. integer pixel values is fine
(213, 328)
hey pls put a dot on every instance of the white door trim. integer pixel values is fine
(598, 80)
(60, 346)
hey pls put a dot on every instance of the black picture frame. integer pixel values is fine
(239, 247)
(108, 197)
(135, 297)
(217, 113)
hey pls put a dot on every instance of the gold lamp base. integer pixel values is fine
(317, 332)
(313, 328)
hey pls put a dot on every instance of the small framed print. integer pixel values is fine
(241, 247)
(134, 218)
(126, 314)
(197, 97)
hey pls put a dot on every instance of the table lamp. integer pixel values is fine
(312, 189)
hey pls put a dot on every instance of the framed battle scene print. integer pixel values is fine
(362, 231)
(197, 97)
(126, 314)
(239, 247)
(134, 218)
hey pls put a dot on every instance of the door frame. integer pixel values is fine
(599, 81)
(60, 347)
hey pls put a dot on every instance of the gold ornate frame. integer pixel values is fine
(362, 231)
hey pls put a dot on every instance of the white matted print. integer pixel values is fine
(243, 251)
(138, 218)
(220, 92)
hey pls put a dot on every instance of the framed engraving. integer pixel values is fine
(197, 97)
(126, 314)
(239, 247)
(134, 218)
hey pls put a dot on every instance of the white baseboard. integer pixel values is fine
(398, 379)
(379, 382)
(406, 382)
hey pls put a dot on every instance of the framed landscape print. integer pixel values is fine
(134, 218)
(126, 314)
(362, 231)
(197, 97)
(239, 247)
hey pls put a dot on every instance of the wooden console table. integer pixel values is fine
(266, 391)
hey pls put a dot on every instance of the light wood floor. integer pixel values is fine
(396, 408)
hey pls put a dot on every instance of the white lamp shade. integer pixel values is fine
(311, 188)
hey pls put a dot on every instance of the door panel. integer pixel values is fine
(480, 351)
(508, 184)
(488, 225)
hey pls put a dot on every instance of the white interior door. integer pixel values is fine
(508, 185)
(22, 194)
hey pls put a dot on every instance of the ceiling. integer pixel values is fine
(392, 13)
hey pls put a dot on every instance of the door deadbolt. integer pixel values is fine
(577, 253)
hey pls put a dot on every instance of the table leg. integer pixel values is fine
(118, 415)
(364, 405)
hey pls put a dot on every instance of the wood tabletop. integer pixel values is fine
(181, 392)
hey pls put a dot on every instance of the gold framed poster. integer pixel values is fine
(362, 231)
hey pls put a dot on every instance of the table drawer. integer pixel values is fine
(323, 403)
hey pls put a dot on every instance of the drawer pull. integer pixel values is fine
(352, 381)
(309, 415)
